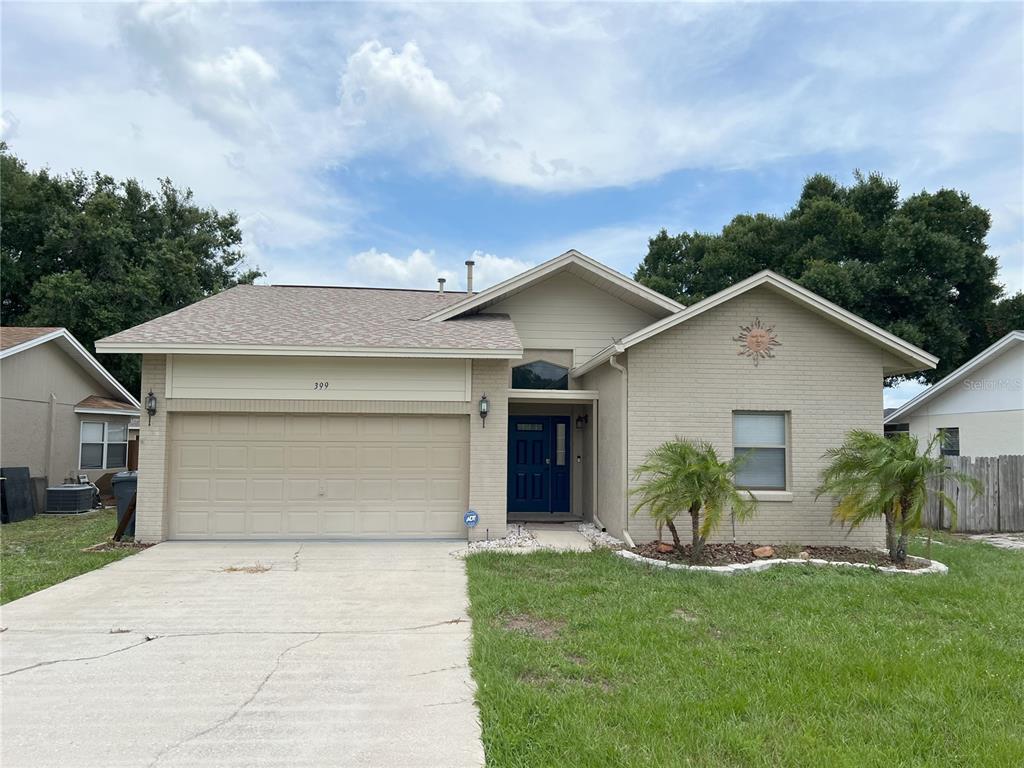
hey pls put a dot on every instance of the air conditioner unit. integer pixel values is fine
(68, 499)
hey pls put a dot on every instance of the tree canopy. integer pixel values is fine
(917, 267)
(96, 255)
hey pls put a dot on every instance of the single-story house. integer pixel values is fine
(302, 412)
(979, 406)
(62, 414)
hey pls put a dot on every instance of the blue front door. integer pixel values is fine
(538, 464)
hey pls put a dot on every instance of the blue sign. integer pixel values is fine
(471, 518)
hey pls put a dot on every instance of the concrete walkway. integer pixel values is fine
(314, 654)
(561, 537)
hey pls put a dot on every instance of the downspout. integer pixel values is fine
(625, 444)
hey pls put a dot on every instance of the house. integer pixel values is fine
(62, 414)
(979, 406)
(300, 412)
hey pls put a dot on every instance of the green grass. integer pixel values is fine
(47, 549)
(795, 666)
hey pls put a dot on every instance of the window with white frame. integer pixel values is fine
(104, 445)
(759, 442)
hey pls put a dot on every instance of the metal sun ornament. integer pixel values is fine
(757, 341)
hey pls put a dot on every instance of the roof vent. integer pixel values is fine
(469, 276)
(440, 284)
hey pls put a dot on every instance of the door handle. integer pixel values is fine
(547, 461)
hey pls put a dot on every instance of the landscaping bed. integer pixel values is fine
(732, 554)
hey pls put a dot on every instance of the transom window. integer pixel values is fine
(759, 440)
(104, 445)
(540, 374)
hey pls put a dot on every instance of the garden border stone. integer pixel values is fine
(934, 566)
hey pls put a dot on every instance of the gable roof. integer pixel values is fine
(915, 357)
(1009, 340)
(308, 320)
(12, 336)
(14, 340)
(576, 263)
(105, 405)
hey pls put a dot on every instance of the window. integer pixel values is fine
(104, 445)
(949, 442)
(892, 430)
(759, 440)
(540, 374)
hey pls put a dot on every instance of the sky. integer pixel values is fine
(386, 144)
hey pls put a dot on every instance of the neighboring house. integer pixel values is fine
(979, 406)
(297, 412)
(62, 414)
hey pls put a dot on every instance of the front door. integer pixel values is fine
(538, 464)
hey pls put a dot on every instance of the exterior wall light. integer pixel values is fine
(485, 407)
(151, 405)
(582, 420)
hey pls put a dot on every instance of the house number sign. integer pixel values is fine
(321, 384)
(757, 341)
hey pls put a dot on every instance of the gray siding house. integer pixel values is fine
(299, 412)
(62, 414)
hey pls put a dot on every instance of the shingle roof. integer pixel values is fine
(305, 316)
(11, 336)
(105, 403)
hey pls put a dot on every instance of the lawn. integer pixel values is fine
(47, 549)
(589, 660)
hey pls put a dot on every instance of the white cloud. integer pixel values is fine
(420, 269)
(256, 105)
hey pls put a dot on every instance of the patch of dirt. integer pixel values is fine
(533, 626)
(728, 554)
(685, 615)
(542, 679)
(257, 568)
(110, 546)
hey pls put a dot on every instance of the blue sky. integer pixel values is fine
(385, 144)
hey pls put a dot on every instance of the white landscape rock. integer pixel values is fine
(598, 538)
(933, 566)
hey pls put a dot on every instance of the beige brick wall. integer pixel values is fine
(687, 381)
(488, 446)
(611, 504)
(150, 520)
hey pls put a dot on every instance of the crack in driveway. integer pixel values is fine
(146, 639)
(238, 710)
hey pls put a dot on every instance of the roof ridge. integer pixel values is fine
(365, 288)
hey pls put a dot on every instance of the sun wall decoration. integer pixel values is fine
(757, 341)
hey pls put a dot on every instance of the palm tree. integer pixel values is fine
(888, 477)
(687, 476)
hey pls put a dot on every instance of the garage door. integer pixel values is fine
(327, 476)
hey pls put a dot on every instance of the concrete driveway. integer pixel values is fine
(313, 654)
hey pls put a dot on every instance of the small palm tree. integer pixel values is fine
(888, 477)
(684, 476)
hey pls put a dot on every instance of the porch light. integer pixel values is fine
(582, 420)
(485, 406)
(151, 405)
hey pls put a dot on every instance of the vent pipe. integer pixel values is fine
(440, 284)
(469, 276)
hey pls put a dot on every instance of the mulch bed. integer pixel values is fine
(727, 554)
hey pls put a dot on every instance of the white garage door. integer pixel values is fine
(332, 476)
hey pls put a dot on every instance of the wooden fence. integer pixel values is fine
(999, 506)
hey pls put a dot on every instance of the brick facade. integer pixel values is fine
(488, 448)
(687, 382)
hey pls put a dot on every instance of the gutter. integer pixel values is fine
(614, 363)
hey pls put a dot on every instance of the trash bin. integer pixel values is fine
(124, 485)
